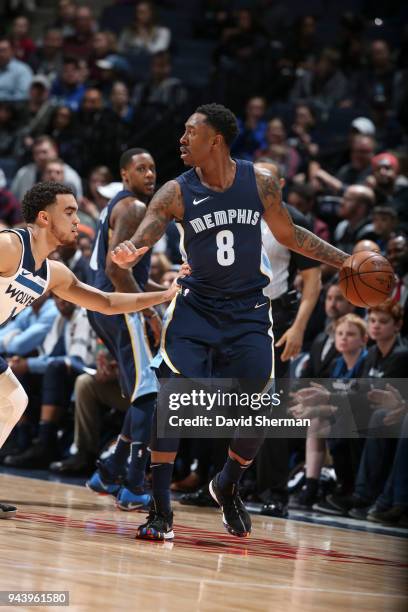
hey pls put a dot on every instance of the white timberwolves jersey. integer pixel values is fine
(26, 285)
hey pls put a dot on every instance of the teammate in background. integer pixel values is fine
(221, 310)
(51, 212)
(125, 335)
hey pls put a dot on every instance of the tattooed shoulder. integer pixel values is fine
(268, 187)
(169, 200)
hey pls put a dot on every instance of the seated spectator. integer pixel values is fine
(278, 149)
(325, 85)
(65, 20)
(319, 404)
(89, 125)
(15, 76)
(378, 77)
(355, 208)
(385, 221)
(63, 130)
(85, 244)
(25, 334)
(103, 53)
(49, 56)
(366, 245)
(92, 203)
(68, 88)
(117, 121)
(44, 150)
(252, 129)
(23, 45)
(144, 33)
(69, 347)
(302, 46)
(79, 43)
(397, 254)
(94, 394)
(10, 207)
(162, 92)
(323, 350)
(302, 197)
(9, 129)
(390, 188)
(302, 132)
(386, 359)
(240, 60)
(351, 43)
(73, 258)
(36, 114)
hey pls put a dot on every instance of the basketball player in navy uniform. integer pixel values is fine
(51, 213)
(221, 310)
(125, 335)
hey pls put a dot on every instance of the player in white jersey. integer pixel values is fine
(51, 213)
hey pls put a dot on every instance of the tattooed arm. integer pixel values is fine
(167, 204)
(285, 231)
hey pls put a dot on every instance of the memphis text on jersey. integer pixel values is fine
(225, 217)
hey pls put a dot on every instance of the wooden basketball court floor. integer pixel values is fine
(65, 538)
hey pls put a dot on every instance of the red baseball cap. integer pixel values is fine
(385, 159)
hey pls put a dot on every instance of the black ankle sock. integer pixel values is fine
(47, 432)
(231, 474)
(161, 480)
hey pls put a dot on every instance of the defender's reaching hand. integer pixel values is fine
(125, 255)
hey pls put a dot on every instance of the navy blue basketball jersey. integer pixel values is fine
(26, 285)
(221, 235)
(100, 250)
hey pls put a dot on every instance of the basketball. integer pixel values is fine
(366, 279)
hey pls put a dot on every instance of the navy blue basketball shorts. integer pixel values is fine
(217, 337)
(124, 336)
(3, 365)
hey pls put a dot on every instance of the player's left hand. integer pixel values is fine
(125, 255)
(292, 339)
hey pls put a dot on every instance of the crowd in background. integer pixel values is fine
(323, 97)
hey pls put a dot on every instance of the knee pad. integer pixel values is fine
(13, 402)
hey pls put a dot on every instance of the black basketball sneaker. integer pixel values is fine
(7, 511)
(158, 526)
(235, 516)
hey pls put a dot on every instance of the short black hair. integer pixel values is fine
(222, 119)
(40, 196)
(126, 157)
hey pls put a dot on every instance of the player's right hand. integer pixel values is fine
(125, 255)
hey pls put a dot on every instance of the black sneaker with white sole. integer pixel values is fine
(7, 511)
(158, 526)
(235, 516)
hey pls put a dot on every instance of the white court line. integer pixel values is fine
(210, 581)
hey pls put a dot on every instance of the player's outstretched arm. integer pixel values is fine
(166, 204)
(66, 285)
(285, 231)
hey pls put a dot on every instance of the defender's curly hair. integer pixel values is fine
(221, 119)
(40, 196)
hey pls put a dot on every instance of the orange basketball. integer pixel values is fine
(366, 279)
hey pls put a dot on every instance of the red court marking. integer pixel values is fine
(210, 541)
